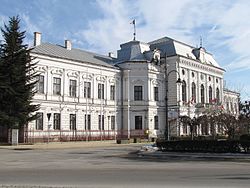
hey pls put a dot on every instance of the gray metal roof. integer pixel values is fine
(165, 45)
(58, 51)
(161, 40)
(168, 39)
(172, 47)
(132, 51)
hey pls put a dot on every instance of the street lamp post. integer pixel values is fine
(128, 106)
(167, 129)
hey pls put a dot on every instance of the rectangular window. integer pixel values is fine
(101, 122)
(57, 121)
(156, 93)
(39, 121)
(100, 91)
(72, 88)
(87, 90)
(40, 84)
(57, 86)
(72, 121)
(112, 122)
(156, 122)
(87, 122)
(138, 122)
(137, 93)
(112, 92)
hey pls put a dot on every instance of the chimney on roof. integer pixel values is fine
(68, 44)
(37, 38)
(111, 54)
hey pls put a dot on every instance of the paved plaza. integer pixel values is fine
(106, 164)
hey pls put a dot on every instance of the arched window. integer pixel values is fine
(217, 95)
(193, 92)
(184, 91)
(210, 93)
(202, 94)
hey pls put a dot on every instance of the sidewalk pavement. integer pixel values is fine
(147, 151)
(67, 145)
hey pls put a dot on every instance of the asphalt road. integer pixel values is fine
(111, 166)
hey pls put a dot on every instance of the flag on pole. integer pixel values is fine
(133, 22)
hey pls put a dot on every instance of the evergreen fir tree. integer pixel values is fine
(17, 78)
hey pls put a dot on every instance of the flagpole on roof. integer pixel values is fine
(201, 41)
(133, 22)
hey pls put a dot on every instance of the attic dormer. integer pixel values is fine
(199, 54)
(153, 56)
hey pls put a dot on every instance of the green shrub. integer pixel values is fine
(245, 137)
(212, 146)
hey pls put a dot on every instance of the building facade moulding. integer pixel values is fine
(101, 78)
(57, 71)
(74, 74)
(113, 80)
(138, 81)
(87, 76)
(41, 69)
(201, 66)
(156, 82)
(154, 68)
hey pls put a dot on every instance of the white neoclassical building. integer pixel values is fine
(88, 96)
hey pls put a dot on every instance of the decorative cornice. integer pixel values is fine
(152, 68)
(111, 80)
(57, 71)
(41, 68)
(202, 66)
(87, 76)
(156, 82)
(73, 74)
(101, 78)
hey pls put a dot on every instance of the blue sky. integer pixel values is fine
(102, 25)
